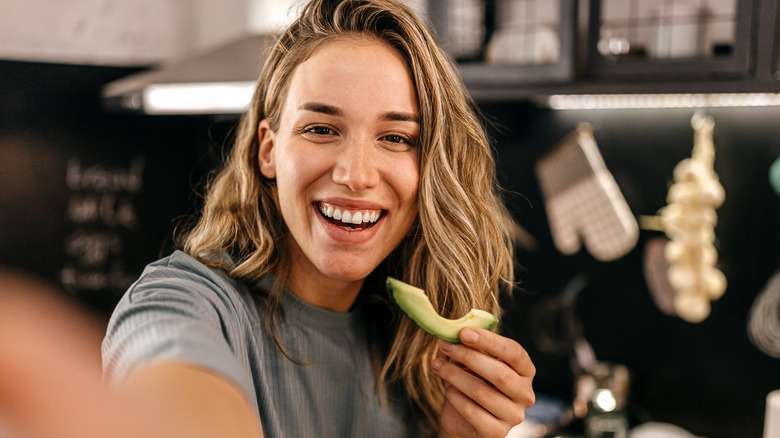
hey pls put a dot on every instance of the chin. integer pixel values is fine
(346, 271)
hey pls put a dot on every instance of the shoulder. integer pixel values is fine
(182, 267)
(180, 309)
(180, 276)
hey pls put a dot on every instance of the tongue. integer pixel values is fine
(339, 223)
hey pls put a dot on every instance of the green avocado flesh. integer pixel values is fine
(418, 307)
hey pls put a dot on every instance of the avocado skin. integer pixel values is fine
(416, 305)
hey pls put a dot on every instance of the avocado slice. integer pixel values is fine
(418, 307)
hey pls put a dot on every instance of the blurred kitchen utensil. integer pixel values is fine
(774, 176)
(772, 418)
(656, 429)
(763, 325)
(655, 269)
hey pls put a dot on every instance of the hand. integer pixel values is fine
(488, 385)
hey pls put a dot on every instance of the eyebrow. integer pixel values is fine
(320, 108)
(334, 111)
(401, 117)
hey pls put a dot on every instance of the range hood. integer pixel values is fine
(219, 81)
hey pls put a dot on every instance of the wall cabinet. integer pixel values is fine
(504, 43)
(708, 39)
(611, 46)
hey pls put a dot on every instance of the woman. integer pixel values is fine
(360, 157)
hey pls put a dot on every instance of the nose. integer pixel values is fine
(357, 165)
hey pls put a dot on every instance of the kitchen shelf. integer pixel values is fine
(483, 93)
(751, 66)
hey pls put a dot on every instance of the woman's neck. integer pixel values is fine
(308, 284)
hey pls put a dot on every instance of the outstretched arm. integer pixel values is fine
(201, 403)
(51, 384)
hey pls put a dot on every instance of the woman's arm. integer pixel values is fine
(488, 385)
(51, 384)
(201, 403)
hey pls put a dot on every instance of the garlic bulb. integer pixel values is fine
(691, 307)
(689, 221)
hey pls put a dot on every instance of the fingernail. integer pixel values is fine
(436, 364)
(467, 335)
(447, 347)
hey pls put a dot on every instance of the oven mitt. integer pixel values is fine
(583, 201)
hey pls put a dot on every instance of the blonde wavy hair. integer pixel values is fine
(460, 248)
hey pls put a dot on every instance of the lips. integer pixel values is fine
(348, 218)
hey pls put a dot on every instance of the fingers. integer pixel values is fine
(500, 347)
(498, 360)
(461, 417)
(479, 402)
(488, 380)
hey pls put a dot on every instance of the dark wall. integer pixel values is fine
(87, 198)
(706, 377)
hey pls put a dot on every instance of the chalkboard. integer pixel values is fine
(89, 198)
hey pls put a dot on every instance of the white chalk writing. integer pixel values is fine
(93, 248)
(108, 209)
(76, 278)
(101, 206)
(100, 178)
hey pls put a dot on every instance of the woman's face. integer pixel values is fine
(345, 160)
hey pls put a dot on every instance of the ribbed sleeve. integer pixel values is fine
(176, 314)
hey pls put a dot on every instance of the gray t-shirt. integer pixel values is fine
(184, 311)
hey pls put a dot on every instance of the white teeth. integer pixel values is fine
(350, 217)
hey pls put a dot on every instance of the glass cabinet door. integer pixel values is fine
(508, 42)
(671, 38)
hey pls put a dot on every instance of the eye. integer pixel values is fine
(398, 139)
(319, 130)
(395, 138)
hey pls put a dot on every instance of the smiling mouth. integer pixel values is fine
(347, 219)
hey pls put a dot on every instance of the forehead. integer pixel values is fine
(353, 68)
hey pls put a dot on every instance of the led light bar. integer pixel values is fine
(198, 98)
(636, 101)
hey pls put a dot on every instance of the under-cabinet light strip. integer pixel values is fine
(630, 101)
(198, 98)
(234, 97)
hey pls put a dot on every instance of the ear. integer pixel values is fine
(265, 154)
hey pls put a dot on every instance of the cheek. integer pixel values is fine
(287, 184)
(296, 173)
(406, 180)
(411, 180)
(293, 166)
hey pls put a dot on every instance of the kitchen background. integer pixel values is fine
(92, 186)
